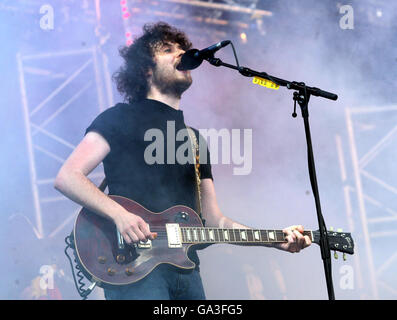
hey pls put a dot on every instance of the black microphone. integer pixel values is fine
(192, 58)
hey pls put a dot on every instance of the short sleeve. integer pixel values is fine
(107, 124)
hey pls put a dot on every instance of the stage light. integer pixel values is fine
(125, 14)
(379, 13)
(243, 37)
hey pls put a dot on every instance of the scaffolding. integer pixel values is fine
(209, 20)
(61, 92)
(49, 139)
(371, 197)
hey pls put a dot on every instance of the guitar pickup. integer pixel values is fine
(174, 235)
(145, 245)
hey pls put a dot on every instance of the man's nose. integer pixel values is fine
(181, 52)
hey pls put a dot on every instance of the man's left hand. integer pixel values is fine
(296, 240)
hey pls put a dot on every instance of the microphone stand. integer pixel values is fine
(302, 96)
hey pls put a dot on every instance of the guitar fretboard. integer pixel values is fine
(216, 235)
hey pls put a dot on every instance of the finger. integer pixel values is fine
(300, 228)
(139, 234)
(292, 237)
(294, 245)
(288, 229)
(127, 238)
(145, 228)
(138, 228)
(300, 240)
(308, 242)
(287, 232)
(291, 246)
(132, 235)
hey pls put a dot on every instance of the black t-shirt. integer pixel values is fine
(156, 186)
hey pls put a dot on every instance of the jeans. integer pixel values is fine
(163, 283)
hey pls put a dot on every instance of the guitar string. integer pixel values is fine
(162, 231)
(224, 240)
(220, 239)
(224, 229)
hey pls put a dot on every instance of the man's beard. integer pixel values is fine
(168, 84)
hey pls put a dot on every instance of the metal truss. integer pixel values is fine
(372, 198)
(212, 19)
(58, 99)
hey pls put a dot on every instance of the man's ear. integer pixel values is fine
(149, 77)
(149, 74)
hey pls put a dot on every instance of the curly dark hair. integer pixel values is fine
(131, 78)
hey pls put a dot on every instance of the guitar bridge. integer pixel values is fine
(174, 235)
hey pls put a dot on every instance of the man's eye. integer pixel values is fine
(168, 50)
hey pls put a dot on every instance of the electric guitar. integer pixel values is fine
(106, 260)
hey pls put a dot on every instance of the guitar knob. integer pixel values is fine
(101, 259)
(129, 271)
(111, 272)
(335, 255)
(344, 257)
(120, 258)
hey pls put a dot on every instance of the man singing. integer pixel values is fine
(152, 87)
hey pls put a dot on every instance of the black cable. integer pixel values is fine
(235, 55)
(79, 284)
(242, 69)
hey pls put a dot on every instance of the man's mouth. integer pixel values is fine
(178, 67)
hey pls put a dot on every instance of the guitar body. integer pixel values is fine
(97, 247)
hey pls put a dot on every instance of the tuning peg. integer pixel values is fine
(339, 230)
(331, 229)
(344, 257)
(335, 255)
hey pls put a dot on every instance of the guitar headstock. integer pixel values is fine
(338, 241)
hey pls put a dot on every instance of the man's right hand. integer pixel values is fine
(133, 228)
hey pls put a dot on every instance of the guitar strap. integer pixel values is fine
(103, 185)
(196, 161)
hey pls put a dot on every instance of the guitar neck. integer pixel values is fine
(235, 236)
